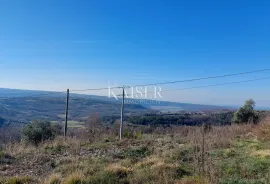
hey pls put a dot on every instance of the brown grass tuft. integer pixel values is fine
(75, 178)
(192, 180)
(262, 131)
(19, 180)
(54, 179)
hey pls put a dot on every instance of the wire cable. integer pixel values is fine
(205, 86)
(203, 78)
(96, 89)
(162, 83)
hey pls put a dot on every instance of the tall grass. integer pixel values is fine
(177, 154)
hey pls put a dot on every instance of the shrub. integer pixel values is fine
(2, 154)
(140, 152)
(131, 134)
(39, 130)
(183, 171)
(246, 114)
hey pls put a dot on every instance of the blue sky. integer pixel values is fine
(54, 45)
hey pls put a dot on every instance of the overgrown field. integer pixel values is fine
(237, 154)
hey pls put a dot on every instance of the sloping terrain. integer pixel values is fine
(26, 105)
(25, 109)
(237, 154)
(7, 93)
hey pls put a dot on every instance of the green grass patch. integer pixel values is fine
(238, 165)
(19, 180)
(73, 124)
(136, 153)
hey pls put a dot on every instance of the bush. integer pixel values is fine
(131, 134)
(39, 130)
(246, 114)
(137, 153)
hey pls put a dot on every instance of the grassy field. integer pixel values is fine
(73, 124)
(238, 154)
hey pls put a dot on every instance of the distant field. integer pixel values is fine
(166, 108)
(73, 124)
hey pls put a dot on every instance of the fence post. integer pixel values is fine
(122, 114)
(66, 119)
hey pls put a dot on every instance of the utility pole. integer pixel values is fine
(66, 120)
(203, 147)
(122, 113)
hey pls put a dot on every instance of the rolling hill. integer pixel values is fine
(26, 105)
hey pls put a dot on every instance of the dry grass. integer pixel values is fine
(18, 180)
(118, 168)
(262, 153)
(263, 131)
(53, 179)
(75, 178)
(192, 180)
(183, 155)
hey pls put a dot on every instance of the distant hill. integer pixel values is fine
(53, 108)
(2, 121)
(25, 105)
(9, 93)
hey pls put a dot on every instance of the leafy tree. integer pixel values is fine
(40, 130)
(246, 114)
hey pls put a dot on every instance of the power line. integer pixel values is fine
(161, 83)
(96, 89)
(203, 78)
(172, 82)
(220, 84)
(205, 86)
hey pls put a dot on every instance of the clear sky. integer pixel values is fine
(59, 44)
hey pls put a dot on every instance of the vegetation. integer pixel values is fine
(18, 111)
(38, 131)
(189, 119)
(246, 114)
(230, 154)
(236, 153)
